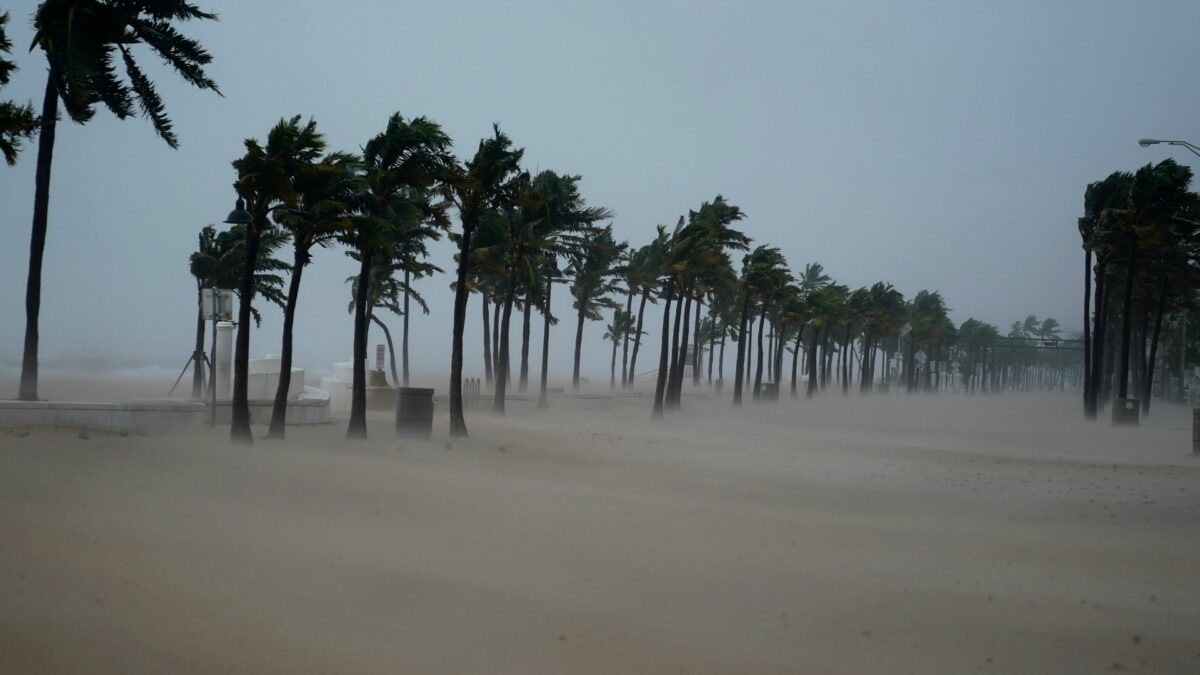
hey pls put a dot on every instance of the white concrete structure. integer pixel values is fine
(143, 416)
(223, 359)
(338, 386)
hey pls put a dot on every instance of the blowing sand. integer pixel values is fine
(885, 534)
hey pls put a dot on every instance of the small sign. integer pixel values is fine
(920, 357)
(216, 304)
(378, 357)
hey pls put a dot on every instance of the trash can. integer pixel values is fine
(414, 412)
(1125, 412)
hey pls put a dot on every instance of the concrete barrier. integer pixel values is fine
(143, 416)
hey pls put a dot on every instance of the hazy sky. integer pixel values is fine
(942, 145)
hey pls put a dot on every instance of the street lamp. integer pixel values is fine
(1147, 142)
(549, 272)
(239, 215)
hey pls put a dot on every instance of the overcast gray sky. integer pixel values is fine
(940, 145)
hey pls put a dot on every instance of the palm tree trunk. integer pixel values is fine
(741, 350)
(721, 360)
(676, 390)
(660, 386)
(673, 367)
(812, 362)
(526, 317)
(404, 337)
(198, 351)
(239, 423)
(697, 363)
(712, 347)
(387, 337)
(487, 342)
(496, 307)
(796, 359)
(458, 424)
(612, 366)
(625, 377)
(1158, 319)
(1087, 333)
(37, 242)
(1098, 330)
(578, 348)
(279, 409)
(357, 428)
(502, 359)
(846, 358)
(543, 398)
(637, 340)
(756, 393)
(1127, 320)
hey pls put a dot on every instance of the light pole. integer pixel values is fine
(549, 272)
(1147, 142)
(1183, 338)
(238, 216)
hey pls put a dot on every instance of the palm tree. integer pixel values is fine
(218, 263)
(490, 180)
(17, 122)
(326, 192)
(594, 279)
(648, 261)
(764, 271)
(268, 176)
(82, 39)
(402, 166)
(615, 332)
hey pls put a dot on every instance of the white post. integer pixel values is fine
(224, 358)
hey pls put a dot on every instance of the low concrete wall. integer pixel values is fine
(301, 411)
(154, 416)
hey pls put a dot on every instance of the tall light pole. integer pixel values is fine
(1145, 143)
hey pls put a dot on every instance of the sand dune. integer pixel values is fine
(885, 534)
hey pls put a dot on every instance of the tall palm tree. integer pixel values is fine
(82, 41)
(648, 261)
(402, 165)
(594, 277)
(267, 180)
(490, 180)
(326, 192)
(17, 122)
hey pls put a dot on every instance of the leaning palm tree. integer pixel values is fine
(268, 175)
(489, 181)
(616, 332)
(403, 164)
(82, 41)
(17, 122)
(217, 263)
(594, 279)
(326, 193)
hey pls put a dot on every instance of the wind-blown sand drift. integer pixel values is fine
(992, 534)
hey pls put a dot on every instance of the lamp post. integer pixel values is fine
(238, 216)
(549, 272)
(1147, 142)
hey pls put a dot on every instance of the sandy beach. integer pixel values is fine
(885, 534)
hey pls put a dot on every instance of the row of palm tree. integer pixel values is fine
(1141, 239)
